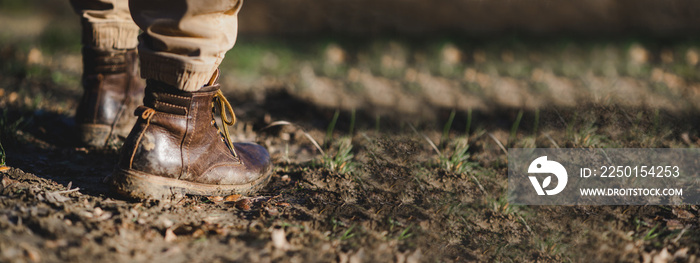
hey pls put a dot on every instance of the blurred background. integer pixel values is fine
(476, 18)
(411, 58)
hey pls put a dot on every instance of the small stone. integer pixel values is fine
(97, 212)
(243, 204)
(169, 235)
(167, 223)
(285, 136)
(662, 257)
(681, 254)
(279, 241)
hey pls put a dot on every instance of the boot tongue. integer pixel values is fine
(212, 85)
(212, 88)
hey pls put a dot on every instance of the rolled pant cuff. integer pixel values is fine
(110, 35)
(184, 76)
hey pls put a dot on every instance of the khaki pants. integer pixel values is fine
(183, 41)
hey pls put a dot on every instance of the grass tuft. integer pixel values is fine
(458, 162)
(342, 162)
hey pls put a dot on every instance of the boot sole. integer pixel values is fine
(143, 186)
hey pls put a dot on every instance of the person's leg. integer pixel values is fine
(111, 83)
(184, 41)
(176, 147)
(106, 24)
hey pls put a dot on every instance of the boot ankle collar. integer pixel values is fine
(166, 98)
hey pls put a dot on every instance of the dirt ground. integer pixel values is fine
(412, 165)
(397, 203)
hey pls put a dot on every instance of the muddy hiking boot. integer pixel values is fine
(176, 148)
(112, 89)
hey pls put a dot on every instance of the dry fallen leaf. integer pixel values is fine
(7, 181)
(681, 213)
(198, 233)
(55, 197)
(232, 198)
(216, 199)
(673, 224)
(32, 254)
(686, 138)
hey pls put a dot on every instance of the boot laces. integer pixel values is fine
(225, 110)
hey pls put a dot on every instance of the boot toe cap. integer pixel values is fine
(254, 164)
(254, 157)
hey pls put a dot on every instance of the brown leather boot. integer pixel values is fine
(112, 89)
(177, 149)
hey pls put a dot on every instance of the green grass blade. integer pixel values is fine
(331, 127)
(514, 129)
(446, 129)
(376, 123)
